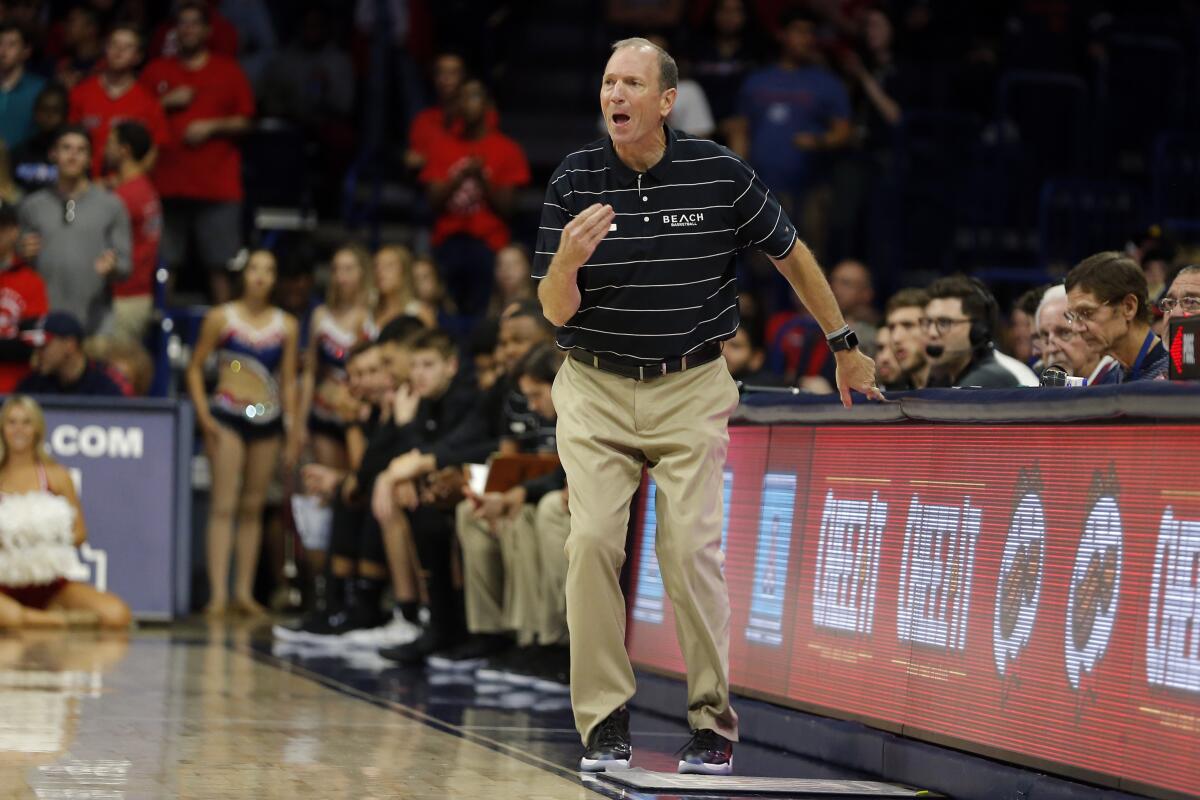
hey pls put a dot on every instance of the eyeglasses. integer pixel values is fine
(1084, 314)
(943, 324)
(1062, 334)
(69, 212)
(1188, 305)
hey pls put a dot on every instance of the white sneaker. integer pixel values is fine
(396, 633)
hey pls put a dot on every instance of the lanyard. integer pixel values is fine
(1136, 369)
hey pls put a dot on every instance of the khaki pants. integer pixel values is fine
(131, 317)
(499, 573)
(608, 427)
(552, 523)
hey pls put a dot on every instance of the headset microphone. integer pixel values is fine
(935, 350)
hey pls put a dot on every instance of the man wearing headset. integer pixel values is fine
(960, 320)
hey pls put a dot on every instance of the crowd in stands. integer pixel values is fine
(121, 151)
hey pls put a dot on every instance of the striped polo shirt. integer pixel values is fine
(661, 283)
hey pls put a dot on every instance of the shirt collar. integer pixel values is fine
(625, 175)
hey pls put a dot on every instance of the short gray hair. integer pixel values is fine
(668, 70)
(1053, 294)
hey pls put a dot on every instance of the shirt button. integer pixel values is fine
(645, 219)
(644, 198)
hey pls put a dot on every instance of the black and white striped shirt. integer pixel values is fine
(661, 283)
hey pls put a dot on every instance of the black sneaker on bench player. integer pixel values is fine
(609, 749)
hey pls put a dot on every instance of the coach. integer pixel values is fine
(635, 260)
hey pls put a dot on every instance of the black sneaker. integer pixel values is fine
(608, 748)
(505, 666)
(415, 653)
(471, 653)
(708, 753)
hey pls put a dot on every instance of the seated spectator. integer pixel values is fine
(77, 234)
(60, 365)
(256, 40)
(127, 150)
(341, 322)
(1108, 305)
(83, 46)
(114, 95)
(691, 112)
(745, 358)
(796, 348)
(1062, 347)
(960, 323)
(41, 525)
(128, 363)
(482, 349)
(1182, 297)
(19, 88)
(727, 51)
(513, 281)
(886, 366)
(1023, 345)
(500, 421)
(904, 318)
(514, 561)
(22, 303)
(33, 168)
(429, 125)
(852, 286)
(470, 179)
(208, 105)
(790, 116)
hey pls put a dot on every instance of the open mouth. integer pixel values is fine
(620, 119)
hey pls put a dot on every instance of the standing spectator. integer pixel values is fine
(1108, 305)
(199, 172)
(312, 80)
(904, 318)
(127, 148)
(167, 41)
(727, 52)
(470, 179)
(22, 302)
(32, 166)
(77, 234)
(114, 95)
(512, 281)
(61, 367)
(18, 87)
(255, 34)
(83, 48)
(789, 116)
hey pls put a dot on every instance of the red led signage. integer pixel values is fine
(1029, 593)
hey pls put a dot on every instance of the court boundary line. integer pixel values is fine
(511, 751)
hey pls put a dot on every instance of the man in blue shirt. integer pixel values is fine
(790, 113)
(18, 88)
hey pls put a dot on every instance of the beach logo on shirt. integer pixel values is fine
(691, 220)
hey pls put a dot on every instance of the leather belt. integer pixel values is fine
(644, 372)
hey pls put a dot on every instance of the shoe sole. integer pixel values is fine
(604, 764)
(378, 642)
(452, 665)
(688, 768)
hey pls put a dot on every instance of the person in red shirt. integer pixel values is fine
(114, 95)
(429, 125)
(470, 179)
(224, 39)
(125, 151)
(22, 303)
(199, 171)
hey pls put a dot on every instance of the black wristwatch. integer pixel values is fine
(842, 339)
